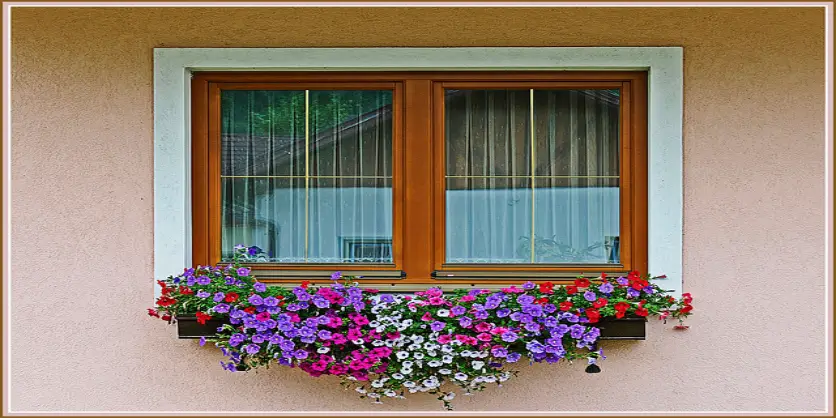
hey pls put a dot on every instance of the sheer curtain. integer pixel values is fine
(306, 175)
(522, 195)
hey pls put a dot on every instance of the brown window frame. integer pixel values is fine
(418, 185)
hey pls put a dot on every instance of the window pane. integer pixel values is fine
(501, 208)
(307, 175)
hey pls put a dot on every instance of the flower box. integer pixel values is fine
(189, 328)
(628, 328)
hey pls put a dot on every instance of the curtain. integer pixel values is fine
(522, 195)
(307, 175)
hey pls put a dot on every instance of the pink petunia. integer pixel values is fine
(263, 316)
(444, 339)
(338, 339)
(435, 301)
(499, 330)
(483, 327)
(427, 317)
(484, 337)
(467, 298)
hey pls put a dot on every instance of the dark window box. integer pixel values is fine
(189, 328)
(628, 328)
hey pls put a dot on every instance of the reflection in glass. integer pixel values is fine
(532, 176)
(307, 175)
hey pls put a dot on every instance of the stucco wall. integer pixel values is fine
(82, 222)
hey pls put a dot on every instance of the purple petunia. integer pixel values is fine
(243, 271)
(437, 326)
(336, 275)
(590, 296)
(525, 299)
(218, 297)
(271, 301)
(256, 300)
(632, 293)
(236, 339)
(300, 354)
(465, 322)
(528, 285)
(260, 287)
(513, 357)
(203, 280)
(503, 312)
(203, 294)
(499, 351)
(606, 288)
(622, 281)
(458, 310)
(221, 308)
(510, 336)
(252, 348)
(576, 331)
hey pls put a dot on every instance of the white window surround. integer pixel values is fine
(172, 68)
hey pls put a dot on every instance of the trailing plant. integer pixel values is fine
(387, 345)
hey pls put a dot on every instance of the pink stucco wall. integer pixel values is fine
(82, 222)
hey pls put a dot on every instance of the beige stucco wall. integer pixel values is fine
(82, 222)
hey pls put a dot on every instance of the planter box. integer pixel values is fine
(629, 328)
(189, 328)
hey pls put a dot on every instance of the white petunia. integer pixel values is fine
(478, 364)
(417, 338)
(447, 359)
(323, 350)
(358, 341)
(432, 353)
(408, 384)
(360, 390)
(377, 384)
(378, 343)
(413, 347)
(390, 393)
(446, 349)
(490, 379)
(397, 376)
(444, 313)
(449, 396)
(504, 376)
(434, 363)
(418, 356)
(445, 371)
(407, 364)
(460, 376)
(374, 324)
(402, 355)
(406, 370)
(465, 353)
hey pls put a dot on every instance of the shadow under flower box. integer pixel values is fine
(628, 328)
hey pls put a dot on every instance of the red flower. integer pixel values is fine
(603, 276)
(681, 327)
(565, 306)
(371, 290)
(641, 311)
(167, 290)
(231, 297)
(582, 282)
(593, 315)
(186, 291)
(153, 313)
(202, 317)
(633, 275)
(162, 284)
(571, 289)
(250, 309)
(622, 306)
(671, 299)
(619, 314)
(542, 301)
(547, 287)
(642, 302)
(305, 284)
(686, 309)
(166, 317)
(600, 303)
(686, 297)
(166, 301)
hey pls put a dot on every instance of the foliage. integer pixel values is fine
(385, 345)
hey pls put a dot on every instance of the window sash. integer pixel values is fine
(418, 171)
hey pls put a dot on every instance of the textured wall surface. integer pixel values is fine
(82, 222)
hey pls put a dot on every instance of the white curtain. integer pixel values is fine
(499, 205)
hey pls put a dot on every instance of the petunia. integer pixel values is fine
(606, 288)
(252, 348)
(243, 271)
(437, 326)
(590, 295)
(260, 287)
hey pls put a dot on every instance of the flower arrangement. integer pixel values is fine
(387, 345)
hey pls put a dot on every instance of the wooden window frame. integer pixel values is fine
(418, 185)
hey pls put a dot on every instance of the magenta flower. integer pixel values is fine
(427, 317)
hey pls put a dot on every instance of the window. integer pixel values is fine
(419, 177)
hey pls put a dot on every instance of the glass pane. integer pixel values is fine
(487, 219)
(576, 220)
(501, 208)
(266, 212)
(307, 175)
(576, 132)
(262, 133)
(351, 133)
(350, 221)
(488, 132)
